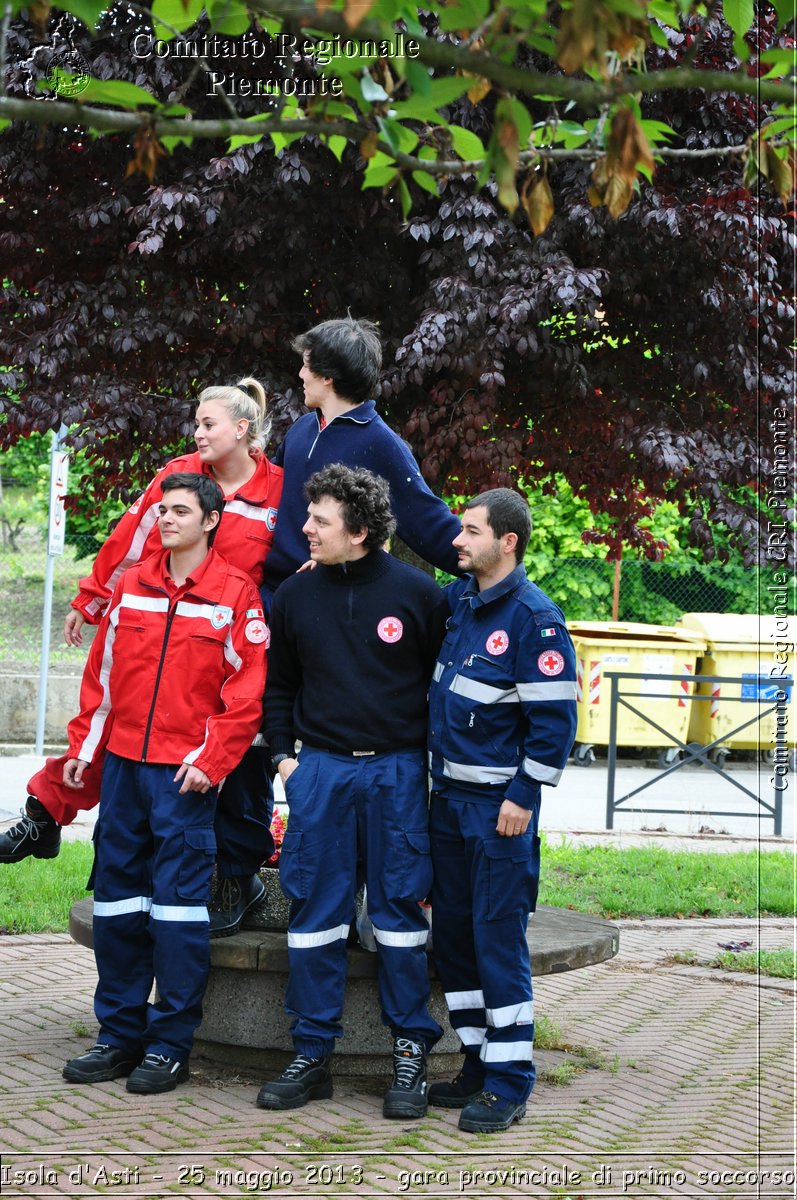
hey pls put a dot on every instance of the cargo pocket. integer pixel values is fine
(293, 871)
(510, 875)
(408, 865)
(196, 865)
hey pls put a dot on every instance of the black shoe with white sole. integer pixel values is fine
(156, 1074)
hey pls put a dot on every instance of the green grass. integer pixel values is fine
(665, 883)
(779, 964)
(36, 895)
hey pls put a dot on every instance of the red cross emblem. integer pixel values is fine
(497, 642)
(390, 629)
(551, 662)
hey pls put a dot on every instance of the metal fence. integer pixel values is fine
(585, 588)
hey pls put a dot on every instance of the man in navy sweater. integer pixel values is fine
(341, 364)
(353, 645)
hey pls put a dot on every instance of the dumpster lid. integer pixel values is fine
(635, 631)
(739, 629)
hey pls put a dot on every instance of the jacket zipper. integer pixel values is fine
(169, 618)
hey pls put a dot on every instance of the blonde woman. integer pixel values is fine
(231, 430)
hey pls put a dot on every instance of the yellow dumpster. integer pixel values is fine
(758, 651)
(651, 650)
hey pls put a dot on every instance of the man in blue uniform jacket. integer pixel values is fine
(502, 719)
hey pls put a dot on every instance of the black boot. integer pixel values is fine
(36, 834)
(302, 1080)
(234, 897)
(406, 1096)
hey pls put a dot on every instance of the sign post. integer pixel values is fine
(56, 531)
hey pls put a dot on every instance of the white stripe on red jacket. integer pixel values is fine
(179, 674)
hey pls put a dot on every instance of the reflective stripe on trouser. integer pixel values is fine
(355, 820)
(243, 816)
(485, 886)
(154, 860)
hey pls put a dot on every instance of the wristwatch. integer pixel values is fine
(278, 758)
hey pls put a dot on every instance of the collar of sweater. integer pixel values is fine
(359, 570)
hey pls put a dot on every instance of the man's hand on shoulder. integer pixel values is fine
(193, 779)
(512, 819)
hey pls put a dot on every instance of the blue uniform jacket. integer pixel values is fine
(358, 438)
(502, 704)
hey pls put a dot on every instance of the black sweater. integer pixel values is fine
(352, 652)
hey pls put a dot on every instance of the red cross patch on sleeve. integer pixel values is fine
(551, 662)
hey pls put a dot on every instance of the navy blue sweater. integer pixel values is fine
(358, 438)
(351, 655)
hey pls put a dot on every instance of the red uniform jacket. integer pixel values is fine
(177, 673)
(244, 535)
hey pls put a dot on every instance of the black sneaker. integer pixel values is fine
(406, 1096)
(101, 1063)
(302, 1080)
(157, 1073)
(457, 1093)
(489, 1113)
(234, 897)
(37, 833)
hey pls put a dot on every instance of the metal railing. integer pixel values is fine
(691, 751)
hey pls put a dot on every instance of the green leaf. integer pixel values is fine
(466, 15)
(378, 176)
(116, 92)
(467, 145)
(175, 13)
(521, 118)
(739, 15)
(230, 17)
(337, 144)
(4, 124)
(405, 198)
(426, 181)
(87, 11)
(423, 107)
(171, 143)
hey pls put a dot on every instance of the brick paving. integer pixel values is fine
(668, 1080)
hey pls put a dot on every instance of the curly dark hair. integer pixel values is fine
(365, 498)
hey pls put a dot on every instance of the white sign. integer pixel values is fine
(59, 469)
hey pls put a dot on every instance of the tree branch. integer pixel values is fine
(516, 79)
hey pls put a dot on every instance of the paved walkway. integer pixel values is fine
(662, 1080)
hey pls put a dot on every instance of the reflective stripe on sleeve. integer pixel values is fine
(564, 689)
(386, 937)
(438, 671)
(120, 908)
(307, 941)
(511, 1014)
(540, 772)
(194, 913)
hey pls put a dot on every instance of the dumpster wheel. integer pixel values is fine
(668, 756)
(719, 756)
(583, 755)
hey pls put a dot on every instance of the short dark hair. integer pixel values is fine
(206, 490)
(365, 498)
(346, 351)
(507, 512)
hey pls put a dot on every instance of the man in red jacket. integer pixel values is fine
(176, 673)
